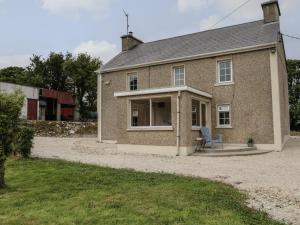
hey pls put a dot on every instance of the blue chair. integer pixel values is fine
(207, 140)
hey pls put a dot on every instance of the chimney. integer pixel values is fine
(271, 11)
(129, 42)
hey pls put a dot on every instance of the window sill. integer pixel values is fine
(158, 128)
(224, 84)
(224, 127)
(196, 128)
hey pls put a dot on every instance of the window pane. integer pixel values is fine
(222, 78)
(140, 113)
(195, 113)
(228, 71)
(203, 115)
(161, 112)
(222, 65)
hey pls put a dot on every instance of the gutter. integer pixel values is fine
(193, 57)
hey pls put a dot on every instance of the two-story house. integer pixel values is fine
(154, 97)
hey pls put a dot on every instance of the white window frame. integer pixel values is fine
(201, 102)
(174, 76)
(137, 128)
(219, 82)
(218, 116)
(129, 75)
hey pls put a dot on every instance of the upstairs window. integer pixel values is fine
(132, 81)
(224, 117)
(179, 76)
(225, 71)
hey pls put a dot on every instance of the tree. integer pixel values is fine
(35, 72)
(14, 75)
(49, 72)
(82, 70)
(10, 111)
(294, 92)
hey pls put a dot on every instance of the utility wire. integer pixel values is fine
(290, 36)
(229, 14)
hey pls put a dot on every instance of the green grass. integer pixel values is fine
(58, 192)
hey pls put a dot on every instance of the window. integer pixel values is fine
(224, 116)
(161, 112)
(198, 113)
(132, 82)
(225, 71)
(195, 113)
(153, 112)
(179, 76)
(140, 113)
(203, 115)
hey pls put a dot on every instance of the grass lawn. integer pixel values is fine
(58, 192)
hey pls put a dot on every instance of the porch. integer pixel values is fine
(162, 120)
(230, 150)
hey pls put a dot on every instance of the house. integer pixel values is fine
(154, 97)
(43, 104)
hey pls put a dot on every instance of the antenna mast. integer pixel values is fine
(127, 19)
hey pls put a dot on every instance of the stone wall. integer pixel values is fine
(63, 129)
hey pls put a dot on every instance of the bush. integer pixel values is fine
(25, 141)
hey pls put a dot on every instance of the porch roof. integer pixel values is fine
(162, 90)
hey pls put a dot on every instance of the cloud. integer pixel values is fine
(189, 5)
(14, 60)
(208, 22)
(250, 11)
(102, 49)
(74, 8)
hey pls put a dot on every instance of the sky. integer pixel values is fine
(94, 26)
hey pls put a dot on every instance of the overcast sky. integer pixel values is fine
(95, 26)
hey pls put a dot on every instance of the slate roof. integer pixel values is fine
(201, 43)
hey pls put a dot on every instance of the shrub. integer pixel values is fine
(25, 141)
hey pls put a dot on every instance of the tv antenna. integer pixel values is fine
(127, 19)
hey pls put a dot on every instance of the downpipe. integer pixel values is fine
(178, 124)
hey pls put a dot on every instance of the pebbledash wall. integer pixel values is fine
(250, 96)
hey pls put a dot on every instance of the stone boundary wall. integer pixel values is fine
(63, 129)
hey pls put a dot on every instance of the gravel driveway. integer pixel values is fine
(272, 180)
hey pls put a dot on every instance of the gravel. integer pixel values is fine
(272, 180)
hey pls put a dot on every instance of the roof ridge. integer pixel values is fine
(163, 39)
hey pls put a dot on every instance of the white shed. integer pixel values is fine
(31, 103)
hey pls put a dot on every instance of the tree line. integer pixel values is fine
(61, 72)
(294, 92)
